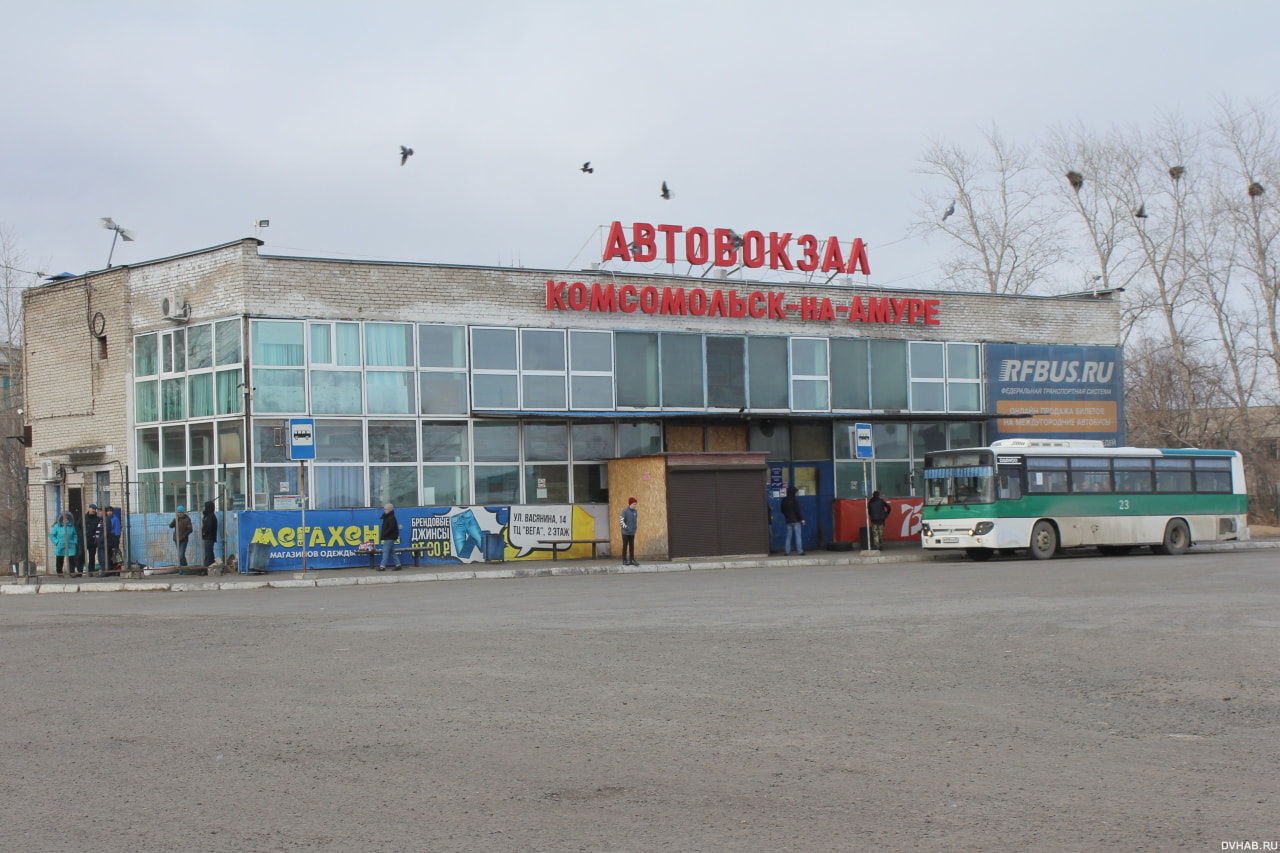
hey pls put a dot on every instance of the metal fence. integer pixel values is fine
(147, 510)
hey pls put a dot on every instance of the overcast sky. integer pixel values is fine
(188, 121)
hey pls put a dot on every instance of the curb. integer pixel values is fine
(816, 558)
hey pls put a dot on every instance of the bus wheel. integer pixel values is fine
(1177, 539)
(979, 555)
(1044, 540)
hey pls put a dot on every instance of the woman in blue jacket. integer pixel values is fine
(65, 543)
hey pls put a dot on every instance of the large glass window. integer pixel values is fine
(889, 375)
(226, 342)
(200, 347)
(767, 364)
(964, 378)
(726, 372)
(338, 486)
(497, 484)
(682, 366)
(146, 401)
(637, 369)
(446, 485)
(336, 392)
(444, 393)
(1132, 475)
(591, 370)
(148, 448)
(928, 375)
(279, 391)
(145, 362)
(639, 439)
(495, 382)
(200, 395)
(172, 399)
(394, 484)
(850, 374)
(201, 444)
(443, 390)
(391, 392)
(809, 371)
(542, 366)
(393, 441)
(497, 441)
(276, 343)
(229, 392)
(444, 441)
(339, 441)
(546, 442)
(442, 346)
(388, 344)
(546, 484)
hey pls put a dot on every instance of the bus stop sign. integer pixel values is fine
(862, 446)
(302, 438)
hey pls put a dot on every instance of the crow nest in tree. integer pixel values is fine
(1176, 172)
(1256, 189)
(1076, 180)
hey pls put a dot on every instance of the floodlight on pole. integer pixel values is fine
(258, 225)
(119, 233)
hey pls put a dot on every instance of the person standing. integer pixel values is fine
(795, 521)
(629, 521)
(389, 536)
(92, 539)
(111, 532)
(181, 525)
(878, 510)
(208, 532)
(65, 541)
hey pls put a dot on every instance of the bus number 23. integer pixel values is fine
(1124, 504)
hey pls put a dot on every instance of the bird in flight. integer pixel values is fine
(405, 154)
(586, 167)
(666, 192)
(949, 211)
(1141, 212)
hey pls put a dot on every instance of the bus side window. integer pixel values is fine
(1010, 485)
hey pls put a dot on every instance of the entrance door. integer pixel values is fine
(814, 505)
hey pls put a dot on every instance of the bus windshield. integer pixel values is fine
(959, 477)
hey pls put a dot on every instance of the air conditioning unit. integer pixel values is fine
(175, 308)
(50, 471)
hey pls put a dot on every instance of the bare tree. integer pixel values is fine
(993, 210)
(1249, 194)
(13, 464)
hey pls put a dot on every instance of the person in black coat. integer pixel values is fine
(795, 521)
(208, 532)
(389, 536)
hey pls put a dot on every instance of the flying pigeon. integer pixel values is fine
(949, 211)
(666, 193)
(405, 154)
(1141, 212)
(586, 167)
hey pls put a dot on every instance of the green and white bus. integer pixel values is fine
(1046, 495)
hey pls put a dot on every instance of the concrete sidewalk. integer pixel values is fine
(893, 553)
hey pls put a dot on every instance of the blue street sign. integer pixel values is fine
(862, 446)
(302, 438)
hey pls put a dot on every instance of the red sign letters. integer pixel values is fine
(759, 304)
(722, 247)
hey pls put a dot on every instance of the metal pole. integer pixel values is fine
(866, 508)
(302, 483)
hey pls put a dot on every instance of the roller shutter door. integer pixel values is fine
(716, 512)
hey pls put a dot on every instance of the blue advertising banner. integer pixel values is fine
(273, 540)
(1068, 392)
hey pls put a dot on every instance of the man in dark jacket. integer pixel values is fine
(878, 510)
(389, 536)
(181, 525)
(92, 540)
(629, 521)
(795, 521)
(208, 532)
